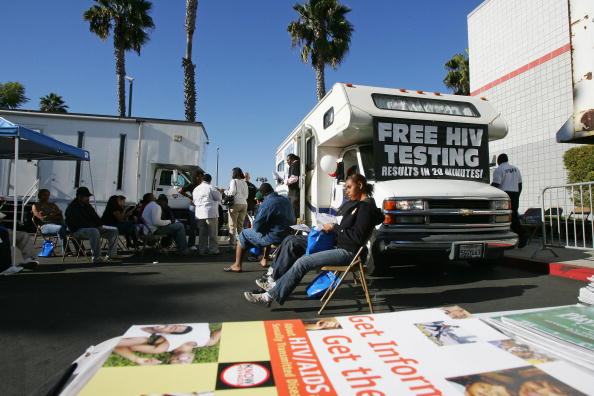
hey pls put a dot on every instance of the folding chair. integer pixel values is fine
(356, 268)
(156, 239)
(79, 247)
(53, 237)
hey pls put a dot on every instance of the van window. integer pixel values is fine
(165, 178)
(367, 161)
(310, 151)
(422, 105)
(351, 163)
(328, 117)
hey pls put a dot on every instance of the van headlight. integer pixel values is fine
(403, 204)
(503, 204)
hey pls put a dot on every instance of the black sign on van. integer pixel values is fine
(412, 149)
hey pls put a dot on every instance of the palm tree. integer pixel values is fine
(52, 103)
(12, 95)
(324, 35)
(458, 77)
(130, 22)
(189, 67)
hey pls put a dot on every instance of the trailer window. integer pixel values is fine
(310, 151)
(77, 173)
(367, 162)
(280, 168)
(328, 117)
(422, 105)
(351, 163)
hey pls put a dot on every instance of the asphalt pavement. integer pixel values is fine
(50, 316)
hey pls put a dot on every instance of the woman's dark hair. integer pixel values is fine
(207, 178)
(293, 157)
(113, 204)
(123, 198)
(162, 198)
(41, 192)
(186, 331)
(237, 173)
(360, 179)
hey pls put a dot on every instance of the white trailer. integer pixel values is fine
(129, 156)
(427, 156)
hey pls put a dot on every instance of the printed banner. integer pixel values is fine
(430, 352)
(405, 148)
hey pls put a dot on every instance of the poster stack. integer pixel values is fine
(586, 296)
(566, 332)
(441, 351)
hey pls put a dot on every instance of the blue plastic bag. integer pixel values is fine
(318, 241)
(255, 250)
(318, 287)
(47, 248)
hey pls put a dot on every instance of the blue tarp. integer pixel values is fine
(34, 145)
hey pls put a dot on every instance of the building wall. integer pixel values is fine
(520, 61)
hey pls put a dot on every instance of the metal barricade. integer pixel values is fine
(566, 216)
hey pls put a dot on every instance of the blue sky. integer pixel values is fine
(252, 87)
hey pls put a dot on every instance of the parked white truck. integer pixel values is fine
(129, 156)
(427, 156)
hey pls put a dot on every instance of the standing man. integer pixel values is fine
(83, 222)
(252, 190)
(508, 178)
(206, 200)
(186, 191)
(293, 182)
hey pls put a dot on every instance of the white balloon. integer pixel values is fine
(328, 164)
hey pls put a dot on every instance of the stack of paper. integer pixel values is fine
(441, 351)
(586, 296)
(566, 332)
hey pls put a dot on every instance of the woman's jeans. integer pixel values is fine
(289, 281)
(55, 229)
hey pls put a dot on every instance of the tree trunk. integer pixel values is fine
(320, 81)
(188, 66)
(121, 75)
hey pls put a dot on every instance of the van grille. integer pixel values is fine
(472, 219)
(459, 204)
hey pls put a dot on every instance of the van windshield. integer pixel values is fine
(367, 161)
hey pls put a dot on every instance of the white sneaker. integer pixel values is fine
(265, 284)
(193, 248)
(258, 298)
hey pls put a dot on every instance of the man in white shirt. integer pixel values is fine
(509, 179)
(206, 199)
(151, 216)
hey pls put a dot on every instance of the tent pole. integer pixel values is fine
(92, 185)
(15, 204)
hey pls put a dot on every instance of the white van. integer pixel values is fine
(427, 156)
(129, 156)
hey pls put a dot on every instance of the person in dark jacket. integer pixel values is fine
(293, 182)
(83, 222)
(272, 224)
(361, 215)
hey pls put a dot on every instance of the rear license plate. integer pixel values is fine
(470, 251)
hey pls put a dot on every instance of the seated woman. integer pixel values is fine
(360, 217)
(115, 215)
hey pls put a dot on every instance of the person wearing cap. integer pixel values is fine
(84, 222)
(272, 224)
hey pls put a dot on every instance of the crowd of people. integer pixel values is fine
(272, 217)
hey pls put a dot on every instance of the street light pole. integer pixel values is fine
(131, 81)
(217, 183)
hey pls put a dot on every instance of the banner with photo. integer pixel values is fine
(441, 351)
(412, 149)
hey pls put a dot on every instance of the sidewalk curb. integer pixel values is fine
(556, 269)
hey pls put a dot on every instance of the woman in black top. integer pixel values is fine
(360, 216)
(115, 215)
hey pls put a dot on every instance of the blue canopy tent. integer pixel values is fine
(17, 142)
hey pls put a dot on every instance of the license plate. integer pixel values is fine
(470, 251)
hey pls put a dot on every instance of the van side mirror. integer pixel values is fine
(340, 171)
